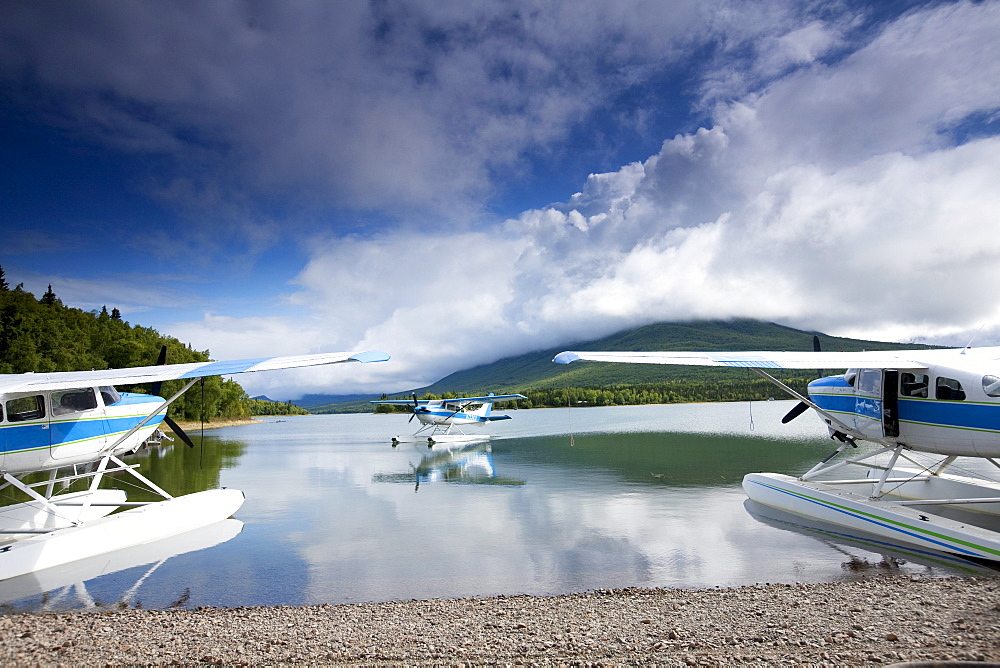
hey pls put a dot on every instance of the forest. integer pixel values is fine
(43, 335)
(746, 388)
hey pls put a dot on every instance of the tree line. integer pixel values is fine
(44, 335)
(624, 394)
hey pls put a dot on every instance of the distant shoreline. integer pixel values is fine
(217, 423)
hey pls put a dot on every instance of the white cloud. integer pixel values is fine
(832, 197)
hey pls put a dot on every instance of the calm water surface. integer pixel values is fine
(561, 500)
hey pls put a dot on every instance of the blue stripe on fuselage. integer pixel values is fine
(25, 436)
(62, 432)
(981, 417)
(933, 412)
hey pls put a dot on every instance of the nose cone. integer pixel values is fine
(832, 393)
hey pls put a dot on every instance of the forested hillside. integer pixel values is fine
(44, 335)
(597, 384)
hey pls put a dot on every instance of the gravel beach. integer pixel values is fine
(878, 620)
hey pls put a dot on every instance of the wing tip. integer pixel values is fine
(370, 356)
(566, 357)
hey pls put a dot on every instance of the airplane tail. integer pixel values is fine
(485, 410)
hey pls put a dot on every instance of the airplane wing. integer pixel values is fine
(28, 382)
(488, 399)
(891, 359)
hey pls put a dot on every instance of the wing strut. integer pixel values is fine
(805, 400)
(155, 389)
(145, 420)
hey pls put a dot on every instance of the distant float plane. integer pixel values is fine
(439, 416)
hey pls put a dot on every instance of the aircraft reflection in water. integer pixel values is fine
(835, 536)
(470, 463)
(65, 586)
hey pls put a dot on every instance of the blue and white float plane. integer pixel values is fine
(75, 425)
(439, 416)
(945, 402)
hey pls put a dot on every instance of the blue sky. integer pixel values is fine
(454, 182)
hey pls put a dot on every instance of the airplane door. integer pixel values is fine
(25, 431)
(78, 427)
(890, 403)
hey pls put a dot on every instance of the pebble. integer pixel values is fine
(858, 622)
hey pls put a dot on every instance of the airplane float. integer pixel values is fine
(75, 426)
(438, 417)
(945, 402)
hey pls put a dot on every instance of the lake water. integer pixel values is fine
(560, 500)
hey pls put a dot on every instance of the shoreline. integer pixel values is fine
(878, 620)
(217, 424)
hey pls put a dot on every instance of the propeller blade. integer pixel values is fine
(160, 361)
(816, 349)
(155, 389)
(174, 427)
(797, 410)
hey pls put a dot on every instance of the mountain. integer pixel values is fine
(536, 371)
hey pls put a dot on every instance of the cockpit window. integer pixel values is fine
(110, 395)
(73, 401)
(870, 381)
(991, 386)
(913, 385)
(26, 408)
(949, 389)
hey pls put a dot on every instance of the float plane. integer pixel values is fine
(438, 417)
(75, 426)
(941, 401)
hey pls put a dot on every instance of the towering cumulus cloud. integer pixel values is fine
(855, 195)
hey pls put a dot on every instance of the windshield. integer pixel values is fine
(110, 395)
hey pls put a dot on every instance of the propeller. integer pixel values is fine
(800, 408)
(416, 405)
(155, 389)
(797, 410)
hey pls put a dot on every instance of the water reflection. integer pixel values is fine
(89, 583)
(639, 496)
(470, 463)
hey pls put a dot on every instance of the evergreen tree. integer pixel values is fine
(49, 298)
(3, 282)
(116, 314)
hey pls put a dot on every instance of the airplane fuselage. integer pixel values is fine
(44, 430)
(943, 409)
(445, 414)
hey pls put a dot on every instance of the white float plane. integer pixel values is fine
(75, 425)
(944, 401)
(439, 416)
